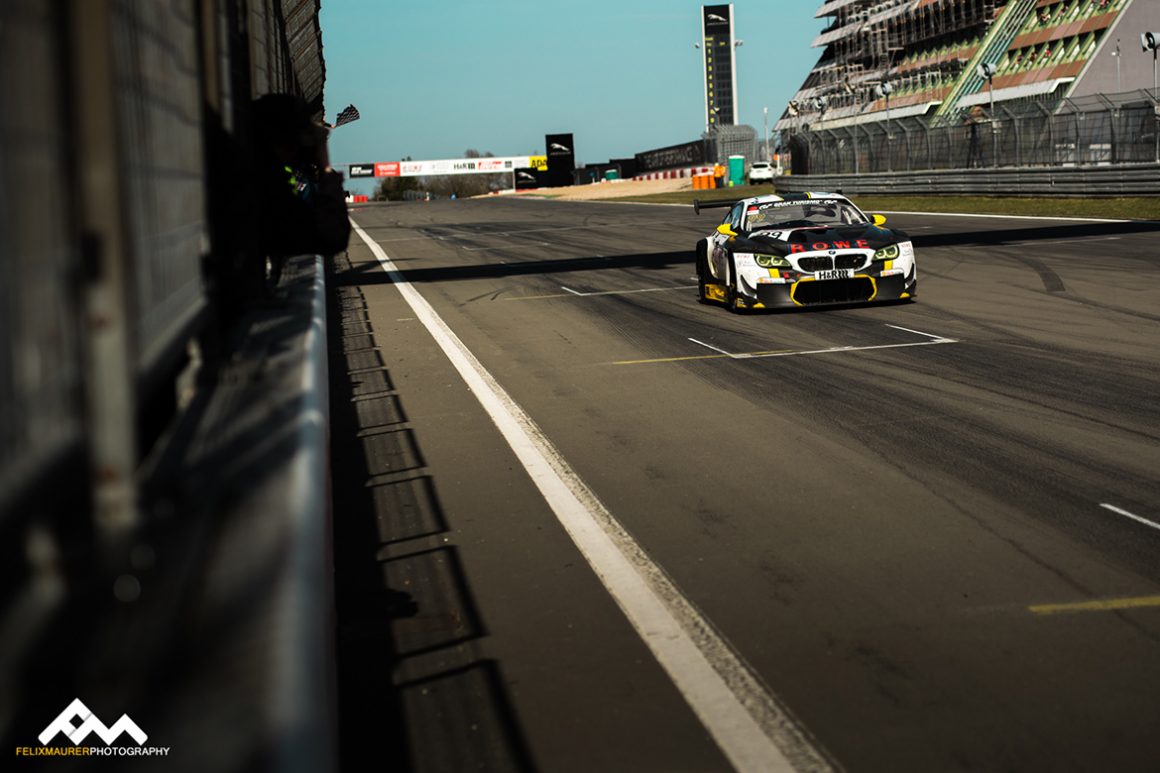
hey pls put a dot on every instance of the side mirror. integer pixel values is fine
(726, 230)
(878, 219)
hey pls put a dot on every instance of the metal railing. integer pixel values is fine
(1039, 182)
(1090, 131)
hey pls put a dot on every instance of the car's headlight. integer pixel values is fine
(889, 252)
(771, 261)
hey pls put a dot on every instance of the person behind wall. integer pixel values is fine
(300, 198)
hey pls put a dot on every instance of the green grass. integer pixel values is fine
(1126, 208)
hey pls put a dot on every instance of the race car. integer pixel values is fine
(802, 249)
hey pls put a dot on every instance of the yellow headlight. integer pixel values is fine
(771, 261)
(889, 252)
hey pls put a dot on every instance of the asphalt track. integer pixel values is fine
(929, 530)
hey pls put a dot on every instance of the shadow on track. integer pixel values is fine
(373, 274)
(996, 238)
(413, 692)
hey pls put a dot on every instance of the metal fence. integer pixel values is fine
(1097, 130)
(732, 140)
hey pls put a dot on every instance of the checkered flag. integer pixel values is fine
(350, 113)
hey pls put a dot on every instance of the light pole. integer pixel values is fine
(765, 131)
(987, 71)
(1117, 54)
(884, 90)
(1149, 41)
(794, 127)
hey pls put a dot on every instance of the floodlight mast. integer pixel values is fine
(1150, 41)
(884, 90)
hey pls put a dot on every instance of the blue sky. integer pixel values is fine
(433, 78)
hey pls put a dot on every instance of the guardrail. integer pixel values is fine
(1055, 182)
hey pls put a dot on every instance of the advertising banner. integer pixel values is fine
(671, 157)
(720, 82)
(492, 165)
(530, 177)
(561, 159)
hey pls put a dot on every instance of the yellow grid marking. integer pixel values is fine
(673, 359)
(742, 356)
(1103, 605)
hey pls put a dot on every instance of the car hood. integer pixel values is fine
(794, 240)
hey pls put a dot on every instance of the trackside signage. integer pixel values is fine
(490, 165)
(66, 736)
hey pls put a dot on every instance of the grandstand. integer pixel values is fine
(927, 51)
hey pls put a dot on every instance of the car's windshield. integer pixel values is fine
(792, 214)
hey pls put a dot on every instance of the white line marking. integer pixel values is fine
(1012, 217)
(569, 289)
(1133, 516)
(752, 729)
(833, 349)
(714, 348)
(918, 332)
(1082, 241)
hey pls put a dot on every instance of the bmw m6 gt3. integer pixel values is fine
(805, 249)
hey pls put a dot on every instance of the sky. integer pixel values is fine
(434, 78)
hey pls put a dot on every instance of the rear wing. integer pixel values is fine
(698, 205)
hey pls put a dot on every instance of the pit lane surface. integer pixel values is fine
(930, 529)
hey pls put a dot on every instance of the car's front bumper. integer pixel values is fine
(773, 293)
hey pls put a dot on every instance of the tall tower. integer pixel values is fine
(720, 69)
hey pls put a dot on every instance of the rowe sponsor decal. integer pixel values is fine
(861, 244)
(90, 724)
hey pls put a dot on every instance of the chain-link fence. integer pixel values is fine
(731, 140)
(1101, 129)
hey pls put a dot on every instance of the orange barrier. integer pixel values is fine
(703, 182)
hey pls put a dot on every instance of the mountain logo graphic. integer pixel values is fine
(90, 724)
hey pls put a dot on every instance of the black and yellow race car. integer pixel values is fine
(802, 249)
